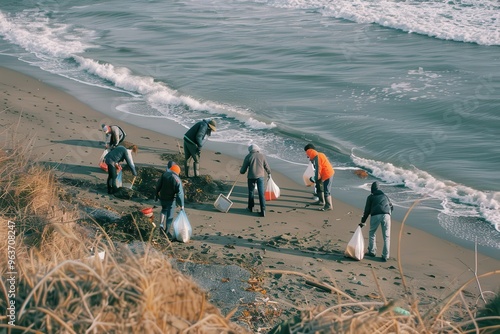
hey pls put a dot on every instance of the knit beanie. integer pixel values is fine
(176, 169)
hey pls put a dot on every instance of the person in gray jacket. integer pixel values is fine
(113, 159)
(379, 206)
(114, 135)
(256, 164)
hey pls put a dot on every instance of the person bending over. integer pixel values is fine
(323, 176)
(194, 139)
(113, 159)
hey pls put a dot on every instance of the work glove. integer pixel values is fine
(312, 179)
(361, 225)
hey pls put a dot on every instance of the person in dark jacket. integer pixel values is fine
(170, 192)
(256, 164)
(113, 159)
(114, 135)
(194, 139)
(379, 206)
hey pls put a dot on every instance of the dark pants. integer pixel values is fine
(111, 182)
(260, 188)
(318, 187)
(168, 210)
(191, 153)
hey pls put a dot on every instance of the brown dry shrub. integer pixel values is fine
(63, 287)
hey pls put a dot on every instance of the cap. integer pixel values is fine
(212, 124)
(176, 169)
(104, 127)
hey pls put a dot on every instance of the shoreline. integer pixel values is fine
(421, 218)
(66, 135)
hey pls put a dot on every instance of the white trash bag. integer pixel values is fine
(272, 191)
(182, 227)
(308, 174)
(356, 246)
(119, 179)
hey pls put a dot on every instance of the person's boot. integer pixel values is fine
(328, 204)
(196, 169)
(321, 199)
(186, 170)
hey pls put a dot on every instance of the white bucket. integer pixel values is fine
(222, 203)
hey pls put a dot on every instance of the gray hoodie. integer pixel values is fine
(256, 163)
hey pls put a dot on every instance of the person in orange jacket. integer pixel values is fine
(323, 173)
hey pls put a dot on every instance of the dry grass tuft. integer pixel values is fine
(62, 285)
(350, 316)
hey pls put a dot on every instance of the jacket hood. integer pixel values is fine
(253, 148)
(374, 187)
(311, 153)
(170, 164)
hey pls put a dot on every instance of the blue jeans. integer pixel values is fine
(383, 220)
(327, 187)
(168, 209)
(260, 188)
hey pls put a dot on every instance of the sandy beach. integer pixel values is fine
(293, 238)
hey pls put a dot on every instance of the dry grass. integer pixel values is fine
(62, 288)
(351, 316)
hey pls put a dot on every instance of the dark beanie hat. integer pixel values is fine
(374, 187)
(308, 146)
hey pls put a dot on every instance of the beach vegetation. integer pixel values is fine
(77, 273)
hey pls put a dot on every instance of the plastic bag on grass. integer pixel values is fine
(356, 246)
(272, 190)
(182, 227)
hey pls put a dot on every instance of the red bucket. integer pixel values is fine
(148, 212)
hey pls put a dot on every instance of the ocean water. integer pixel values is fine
(407, 90)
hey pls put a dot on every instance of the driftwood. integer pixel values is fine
(319, 286)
